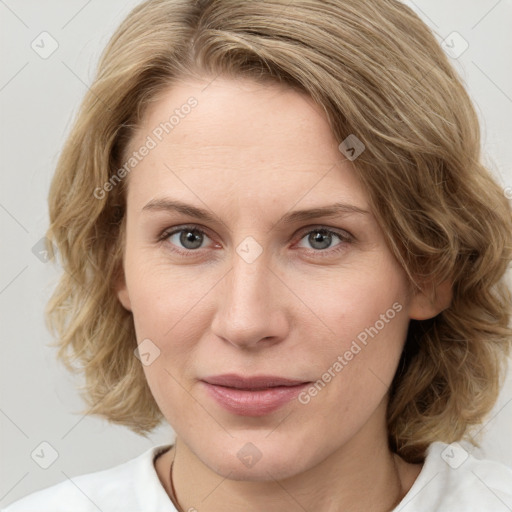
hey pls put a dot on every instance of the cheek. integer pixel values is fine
(359, 301)
(170, 308)
(167, 301)
(366, 313)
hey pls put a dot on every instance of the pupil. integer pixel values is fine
(190, 239)
(319, 237)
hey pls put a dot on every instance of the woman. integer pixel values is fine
(278, 237)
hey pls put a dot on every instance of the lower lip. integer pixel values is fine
(253, 403)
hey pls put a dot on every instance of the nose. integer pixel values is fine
(250, 312)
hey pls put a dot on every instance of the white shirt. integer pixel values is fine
(451, 480)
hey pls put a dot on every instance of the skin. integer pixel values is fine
(251, 153)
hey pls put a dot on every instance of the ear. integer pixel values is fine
(124, 298)
(431, 300)
(122, 291)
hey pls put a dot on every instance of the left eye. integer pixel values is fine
(321, 238)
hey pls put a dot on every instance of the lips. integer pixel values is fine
(251, 383)
(252, 396)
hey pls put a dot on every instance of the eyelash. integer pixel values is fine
(345, 238)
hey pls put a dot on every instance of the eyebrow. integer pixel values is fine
(332, 210)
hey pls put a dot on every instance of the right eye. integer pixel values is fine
(185, 239)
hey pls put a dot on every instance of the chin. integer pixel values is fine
(256, 458)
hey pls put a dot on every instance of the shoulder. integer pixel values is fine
(453, 480)
(128, 487)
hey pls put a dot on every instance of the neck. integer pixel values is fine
(358, 478)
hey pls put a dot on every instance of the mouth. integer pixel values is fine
(252, 396)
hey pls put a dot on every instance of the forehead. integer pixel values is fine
(242, 138)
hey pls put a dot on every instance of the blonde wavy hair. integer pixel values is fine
(378, 72)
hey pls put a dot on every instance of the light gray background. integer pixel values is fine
(38, 100)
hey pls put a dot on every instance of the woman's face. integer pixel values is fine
(253, 288)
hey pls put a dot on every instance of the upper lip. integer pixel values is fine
(256, 382)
